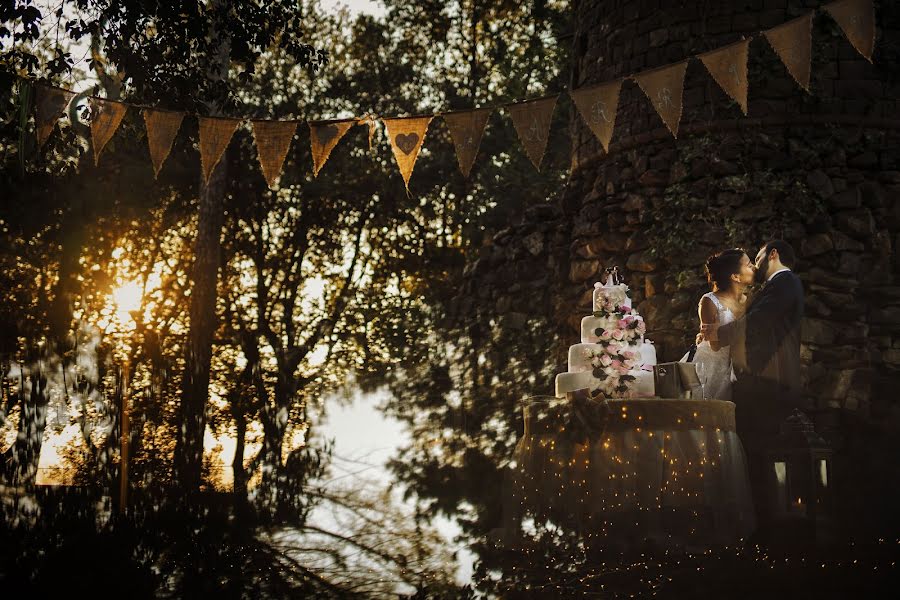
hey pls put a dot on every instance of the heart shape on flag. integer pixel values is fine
(326, 133)
(407, 141)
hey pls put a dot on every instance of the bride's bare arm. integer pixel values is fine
(709, 314)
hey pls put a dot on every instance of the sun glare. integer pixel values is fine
(127, 298)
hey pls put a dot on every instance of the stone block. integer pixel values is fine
(637, 241)
(844, 242)
(891, 357)
(642, 261)
(858, 88)
(610, 242)
(835, 385)
(586, 228)
(745, 22)
(815, 245)
(653, 285)
(534, 243)
(633, 202)
(818, 331)
(871, 194)
(582, 270)
(857, 69)
(820, 183)
(615, 220)
(846, 199)
(849, 263)
(866, 160)
(858, 223)
(836, 300)
(654, 178)
(656, 311)
(772, 17)
(889, 315)
(890, 177)
(815, 306)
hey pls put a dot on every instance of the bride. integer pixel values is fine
(729, 272)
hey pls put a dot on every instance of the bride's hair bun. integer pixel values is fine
(722, 265)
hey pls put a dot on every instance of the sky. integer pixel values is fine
(370, 7)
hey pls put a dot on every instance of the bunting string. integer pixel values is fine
(596, 103)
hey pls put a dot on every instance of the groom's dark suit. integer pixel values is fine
(765, 350)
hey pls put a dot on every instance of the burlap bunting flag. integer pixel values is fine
(598, 106)
(857, 19)
(406, 136)
(466, 131)
(532, 122)
(162, 127)
(664, 87)
(49, 104)
(273, 140)
(215, 134)
(793, 44)
(105, 119)
(728, 66)
(323, 137)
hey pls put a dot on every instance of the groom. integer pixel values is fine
(765, 351)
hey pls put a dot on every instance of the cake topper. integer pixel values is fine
(612, 276)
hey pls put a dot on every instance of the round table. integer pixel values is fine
(632, 471)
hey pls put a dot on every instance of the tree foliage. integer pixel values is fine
(327, 284)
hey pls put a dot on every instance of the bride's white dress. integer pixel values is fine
(714, 366)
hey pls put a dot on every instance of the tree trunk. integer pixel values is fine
(203, 322)
(274, 421)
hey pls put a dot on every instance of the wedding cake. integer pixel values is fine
(613, 358)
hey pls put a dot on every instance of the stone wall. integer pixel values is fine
(821, 170)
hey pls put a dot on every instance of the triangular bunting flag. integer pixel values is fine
(215, 134)
(728, 66)
(664, 88)
(162, 127)
(406, 136)
(49, 104)
(323, 137)
(598, 105)
(532, 122)
(466, 131)
(273, 140)
(857, 19)
(793, 44)
(105, 119)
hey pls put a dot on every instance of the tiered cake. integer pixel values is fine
(613, 358)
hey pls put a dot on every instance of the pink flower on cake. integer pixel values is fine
(605, 360)
(618, 334)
